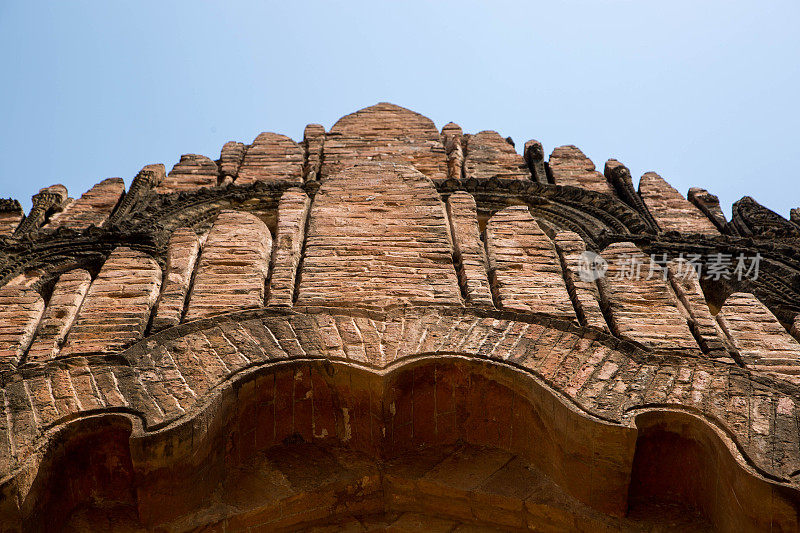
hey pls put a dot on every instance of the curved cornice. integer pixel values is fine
(169, 378)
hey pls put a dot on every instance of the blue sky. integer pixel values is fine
(704, 93)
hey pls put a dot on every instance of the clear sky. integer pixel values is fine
(703, 92)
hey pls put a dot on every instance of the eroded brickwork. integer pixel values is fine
(10, 216)
(93, 207)
(230, 159)
(640, 303)
(586, 295)
(488, 156)
(184, 248)
(272, 157)
(571, 167)
(20, 311)
(382, 249)
(60, 314)
(525, 268)
(118, 305)
(385, 132)
(761, 340)
(686, 283)
(292, 215)
(233, 266)
(388, 326)
(670, 209)
(191, 172)
(469, 248)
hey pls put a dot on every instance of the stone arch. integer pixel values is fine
(84, 481)
(194, 437)
(279, 417)
(683, 463)
(309, 441)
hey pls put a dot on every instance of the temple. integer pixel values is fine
(393, 327)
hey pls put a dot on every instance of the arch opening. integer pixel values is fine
(434, 440)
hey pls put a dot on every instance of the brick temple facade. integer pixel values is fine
(393, 327)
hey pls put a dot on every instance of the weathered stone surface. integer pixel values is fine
(292, 215)
(750, 218)
(20, 311)
(453, 139)
(761, 340)
(313, 142)
(117, 307)
(272, 157)
(708, 204)
(192, 172)
(570, 166)
(640, 303)
(67, 297)
(385, 132)
(586, 294)
(230, 159)
(466, 399)
(488, 155)
(233, 266)
(28, 278)
(686, 285)
(389, 245)
(620, 179)
(534, 157)
(796, 328)
(469, 248)
(151, 176)
(10, 216)
(525, 269)
(433, 405)
(47, 202)
(184, 247)
(92, 208)
(670, 209)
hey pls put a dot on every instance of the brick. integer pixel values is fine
(21, 309)
(292, 214)
(192, 172)
(62, 309)
(313, 142)
(453, 139)
(571, 167)
(686, 284)
(385, 132)
(182, 252)
(708, 204)
(92, 208)
(526, 270)
(230, 159)
(469, 248)
(757, 335)
(385, 248)
(587, 295)
(117, 307)
(488, 156)
(233, 266)
(644, 310)
(272, 157)
(10, 216)
(670, 209)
